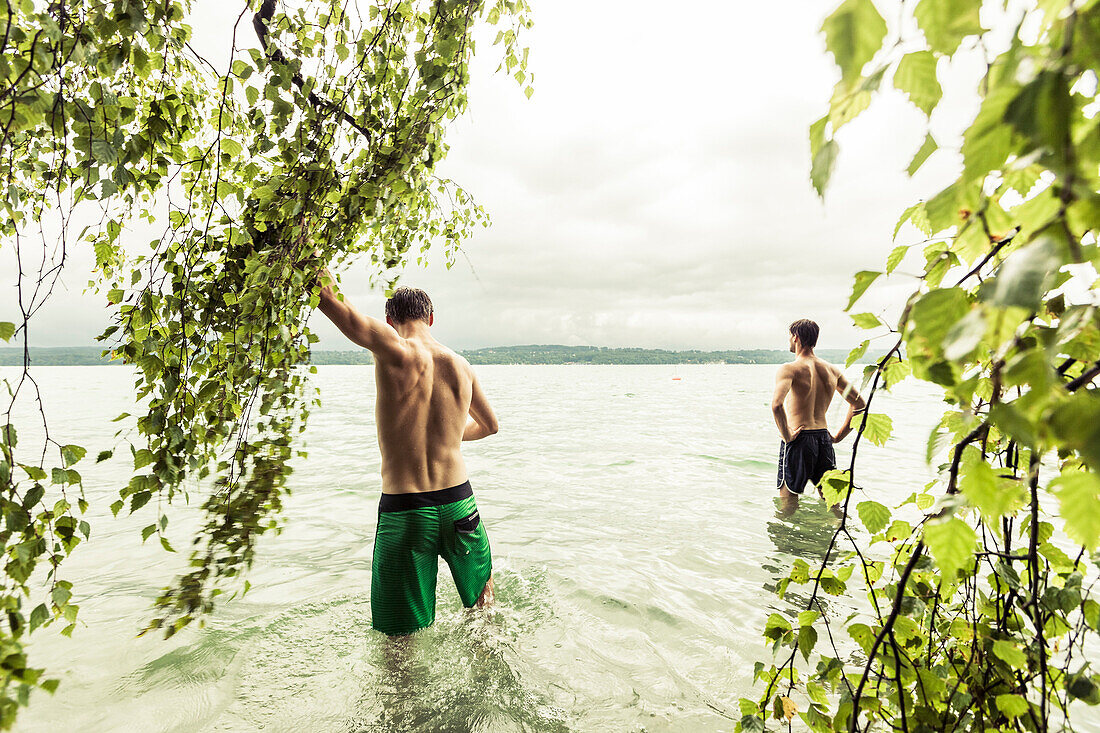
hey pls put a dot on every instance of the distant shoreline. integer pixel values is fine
(550, 354)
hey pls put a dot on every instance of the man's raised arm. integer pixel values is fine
(483, 422)
(855, 404)
(370, 333)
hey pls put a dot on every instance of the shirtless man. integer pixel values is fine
(428, 401)
(803, 391)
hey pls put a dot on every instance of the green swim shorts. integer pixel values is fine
(414, 530)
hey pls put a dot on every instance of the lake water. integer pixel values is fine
(634, 530)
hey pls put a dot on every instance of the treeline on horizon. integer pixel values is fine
(527, 354)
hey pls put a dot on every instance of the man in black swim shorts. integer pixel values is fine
(804, 389)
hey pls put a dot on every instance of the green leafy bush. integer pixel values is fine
(318, 142)
(977, 617)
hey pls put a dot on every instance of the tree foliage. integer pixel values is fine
(980, 586)
(318, 141)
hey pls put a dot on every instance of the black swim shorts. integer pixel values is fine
(806, 458)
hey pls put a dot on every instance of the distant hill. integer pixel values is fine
(55, 356)
(530, 354)
(553, 354)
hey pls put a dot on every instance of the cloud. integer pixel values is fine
(655, 190)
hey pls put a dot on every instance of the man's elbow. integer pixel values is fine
(492, 428)
(777, 408)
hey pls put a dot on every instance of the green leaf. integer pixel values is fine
(7, 330)
(928, 147)
(776, 627)
(862, 635)
(231, 147)
(853, 33)
(965, 336)
(1091, 612)
(857, 353)
(1076, 425)
(896, 256)
(1010, 653)
(34, 472)
(816, 693)
(1041, 113)
(1023, 277)
(752, 724)
(899, 529)
(873, 515)
(807, 638)
(935, 313)
(70, 454)
(917, 215)
(993, 495)
(988, 142)
(835, 485)
(33, 496)
(808, 618)
(140, 499)
(1080, 686)
(104, 152)
(866, 320)
(947, 22)
(1078, 495)
(148, 532)
(916, 76)
(847, 103)
(951, 543)
(800, 571)
(879, 427)
(39, 616)
(817, 135)
(1013, 422)
(822, 167)
(894, 372)
(863, 280)
(103, 456)
(947, 208)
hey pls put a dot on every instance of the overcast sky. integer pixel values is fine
(655, 189)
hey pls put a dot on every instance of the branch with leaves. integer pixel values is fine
(323, 139)
(990, 589)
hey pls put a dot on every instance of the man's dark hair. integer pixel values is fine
(409, 304)
(806, 331)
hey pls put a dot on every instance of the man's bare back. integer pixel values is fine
(811, 382)
(425, 396)
(428, 400)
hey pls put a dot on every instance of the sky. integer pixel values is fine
(653, 192)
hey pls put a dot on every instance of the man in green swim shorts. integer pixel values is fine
(428, 402)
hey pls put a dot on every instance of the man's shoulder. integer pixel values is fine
(442, 352)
